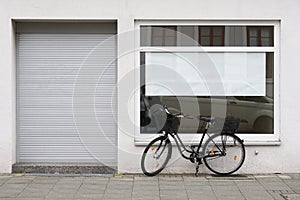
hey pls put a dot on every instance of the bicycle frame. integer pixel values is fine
(182, 147)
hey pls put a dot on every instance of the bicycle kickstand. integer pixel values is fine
(197, 169)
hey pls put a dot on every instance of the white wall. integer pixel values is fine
(283, 158)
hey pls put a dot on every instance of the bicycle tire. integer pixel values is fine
(154, 151)
(227, 161)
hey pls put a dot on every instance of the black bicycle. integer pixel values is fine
(223, 152)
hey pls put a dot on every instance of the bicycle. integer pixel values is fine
(223, 153)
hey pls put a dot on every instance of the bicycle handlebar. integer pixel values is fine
(180, 115)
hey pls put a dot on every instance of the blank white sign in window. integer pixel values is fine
(205, 74)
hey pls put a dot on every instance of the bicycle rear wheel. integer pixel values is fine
(224, 153)
(156, 156)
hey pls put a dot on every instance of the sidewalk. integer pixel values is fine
(261, 187)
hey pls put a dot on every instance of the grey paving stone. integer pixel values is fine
(193, 177)
(170, 178)
(60, 195)
(121, 179)
(197, 188)
(146, 186)
(58, 198)
(294, 176)
(172, 187)
(274, 184)
(254, 192)
(247, 182)
(2, 181)
(45, 180)
(146, 198)
(205, 197)
(118, 188)
(8, 194)
(88, 196)
(227, 192)
(94, 187)
(173, 197)
(20, 180)
(150, 181)
(221, 183)
(201, 194)
(9, 191)
(95, 180)
(284, 176)
(145, 178)
(276, 194)
(294, 184)
(114, 196)
(33, 195)
(68, 182)
(291, 196)
(145, 190)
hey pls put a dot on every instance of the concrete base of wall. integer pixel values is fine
(55, 168)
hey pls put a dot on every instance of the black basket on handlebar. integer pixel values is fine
(171, 125)
(227, 125)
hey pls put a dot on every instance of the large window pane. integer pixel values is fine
(203, 74)
(255, 112)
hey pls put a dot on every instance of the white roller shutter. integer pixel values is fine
(66, 98)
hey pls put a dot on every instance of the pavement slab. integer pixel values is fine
(139, 187)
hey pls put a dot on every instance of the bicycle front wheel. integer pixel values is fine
(224, 153)
(156, 156)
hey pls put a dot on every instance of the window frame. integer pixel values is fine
(250, 139)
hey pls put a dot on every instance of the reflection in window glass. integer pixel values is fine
(211, 35)
(205, 73)
(255, 112)
(260, 35)
(165, 36)
(207, 36)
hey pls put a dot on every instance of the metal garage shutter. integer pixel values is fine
(66, 97)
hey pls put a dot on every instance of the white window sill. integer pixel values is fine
(277, 142)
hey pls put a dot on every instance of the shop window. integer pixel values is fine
(246, 74)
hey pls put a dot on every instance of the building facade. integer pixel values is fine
(72, 73)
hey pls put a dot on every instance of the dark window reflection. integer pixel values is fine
(207, 36)
(211, 35)
(165, 36)
(260, 36)
(255, 113)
